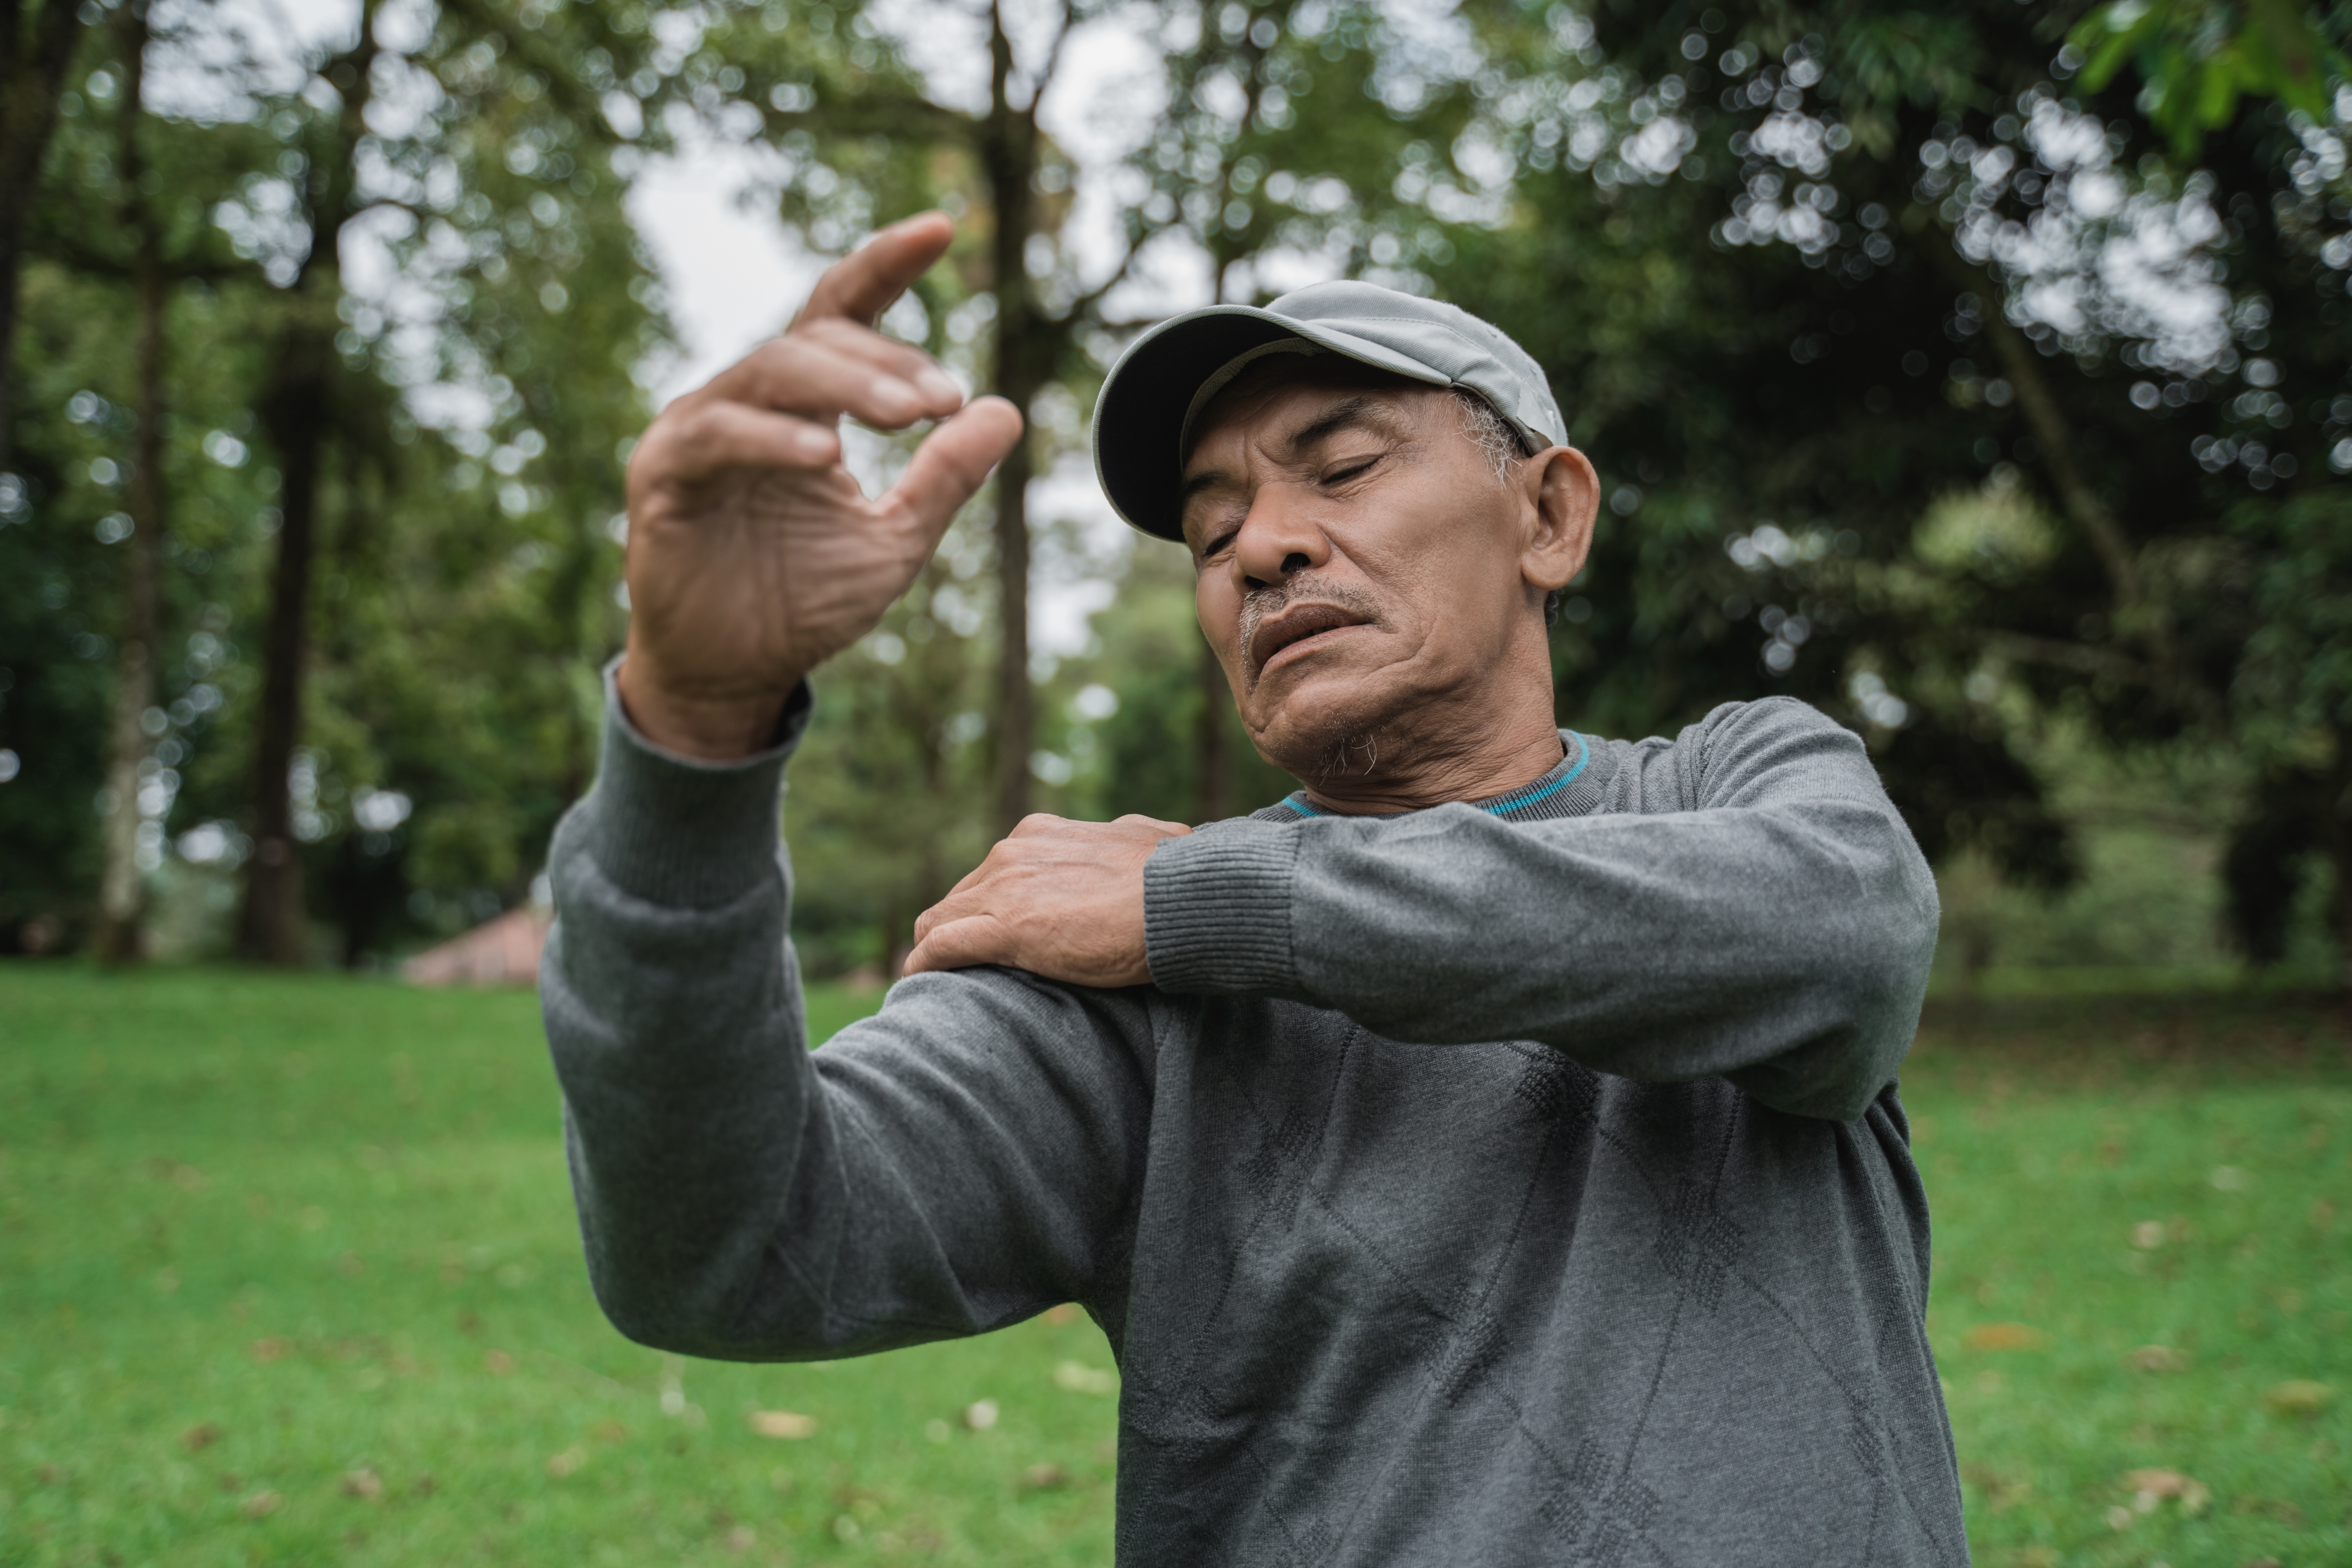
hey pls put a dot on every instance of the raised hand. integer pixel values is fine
(753, 555)
(1060, 899)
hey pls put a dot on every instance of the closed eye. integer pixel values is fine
(1352, 470)
(1218, 543)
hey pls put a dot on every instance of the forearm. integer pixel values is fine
(673, 1012)
(1781, 940)
(957, 1162)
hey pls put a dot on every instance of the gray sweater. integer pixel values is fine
(1512, 1181)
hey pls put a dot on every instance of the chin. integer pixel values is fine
(1318, 727)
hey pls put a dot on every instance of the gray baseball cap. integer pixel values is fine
(1168, 376)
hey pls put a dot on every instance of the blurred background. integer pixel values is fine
(1976, 372)
(1977, 375)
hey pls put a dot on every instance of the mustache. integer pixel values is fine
(1309, 587)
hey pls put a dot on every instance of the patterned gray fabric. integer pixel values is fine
(1470, 1189)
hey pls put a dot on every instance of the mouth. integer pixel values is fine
(1303, 628)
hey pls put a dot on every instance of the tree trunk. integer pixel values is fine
(2337, 825)
(296, 414)
(1016, 729)
(1008, 155)
(32, 80)
(272, 927)
(123, 888)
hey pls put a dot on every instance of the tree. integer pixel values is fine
(41, 41)
(1894, 416)
(161, 255)
(529, 135)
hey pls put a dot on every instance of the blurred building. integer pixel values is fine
(501, 952)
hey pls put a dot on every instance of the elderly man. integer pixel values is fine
(1488, 1155)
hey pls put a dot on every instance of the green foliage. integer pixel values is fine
(299, 1239)
(2197, 57)
(477, 418)
(1845, 461)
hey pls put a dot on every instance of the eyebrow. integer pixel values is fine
(1360, 412)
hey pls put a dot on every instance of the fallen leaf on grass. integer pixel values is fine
(2157, 1357)
(1067, 1312)
(363, 1484)
(2300, 1397)
(608, 1431)
(2148, 1488)
(980, 1414)
(261, 1504)
(742, 1538)
(1043, 1477)
(2148, 1234)
(2004, 1337)
(788, 1424)
(499, 1362)
(200, 1436)
(563, 1464)
(1078, 1378)
(269, 1350)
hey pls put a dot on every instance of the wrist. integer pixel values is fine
(710, 727)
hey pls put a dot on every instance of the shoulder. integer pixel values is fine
(1714, 760)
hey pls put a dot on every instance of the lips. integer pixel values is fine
(1296, 625)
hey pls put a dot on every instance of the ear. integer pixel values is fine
(1563, 496)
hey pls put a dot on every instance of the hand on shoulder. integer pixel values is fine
(1060, 899)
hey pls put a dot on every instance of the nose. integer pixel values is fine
(1278, 540)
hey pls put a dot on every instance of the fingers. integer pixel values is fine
(1172, 829)
(863, 284)
(952, 462)
(720, 435)
(960, 944)
(842, 370)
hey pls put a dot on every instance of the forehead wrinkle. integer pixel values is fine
(1363, 411)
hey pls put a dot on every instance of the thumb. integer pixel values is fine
(960, 944)
(952, 462)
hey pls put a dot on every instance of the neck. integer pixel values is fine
(1473, 748)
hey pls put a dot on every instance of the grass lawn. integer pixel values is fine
(288, 1274)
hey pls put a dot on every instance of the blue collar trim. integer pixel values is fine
(1298, 803)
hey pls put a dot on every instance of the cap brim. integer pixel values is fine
(1139, 415)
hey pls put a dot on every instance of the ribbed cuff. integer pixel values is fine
(1216, 910)
(672, 830)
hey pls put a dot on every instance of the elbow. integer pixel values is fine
(663, 1299)
(1883, 983)
(1867, 985)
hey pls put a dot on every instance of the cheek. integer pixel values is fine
(1218, 608)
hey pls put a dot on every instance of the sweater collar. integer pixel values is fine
(1568, 789)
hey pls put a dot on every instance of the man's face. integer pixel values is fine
(1358, 560)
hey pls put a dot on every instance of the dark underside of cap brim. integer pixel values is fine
(1142, 412)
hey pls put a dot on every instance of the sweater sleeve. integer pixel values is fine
(1775, 930)
(959, 1161)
